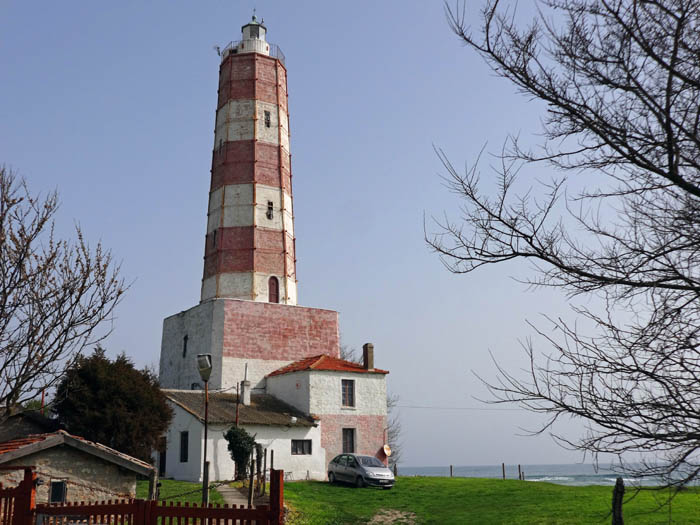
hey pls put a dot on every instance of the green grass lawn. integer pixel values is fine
(483, 501)
(170, 488)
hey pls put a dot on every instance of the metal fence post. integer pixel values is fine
(618, 493)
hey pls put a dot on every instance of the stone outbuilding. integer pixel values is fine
(70, 468)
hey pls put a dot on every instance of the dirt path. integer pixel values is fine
(393, 516)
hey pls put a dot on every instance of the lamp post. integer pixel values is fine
(204, 366)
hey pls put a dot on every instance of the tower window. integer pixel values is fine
(184, 346)
(270, 206)
(273, 290)
(267, 119)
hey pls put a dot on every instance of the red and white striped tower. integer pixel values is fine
(249, 251)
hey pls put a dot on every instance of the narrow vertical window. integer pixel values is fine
(348, 392)
(348, 441)
(273, 290)
(184, 346)
(162, 454)
(270, 210)
(184, 446)
(267, 119)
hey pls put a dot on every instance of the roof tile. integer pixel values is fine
(264, 409)
(325, 362)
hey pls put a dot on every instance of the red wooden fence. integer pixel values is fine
(16, 503)
(142, 512)
(21, 510)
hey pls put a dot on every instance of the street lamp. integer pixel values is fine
(204, 366)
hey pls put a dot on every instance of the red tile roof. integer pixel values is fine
(9, 446)
(326, 363)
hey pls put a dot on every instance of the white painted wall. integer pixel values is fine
(200, 326)
(243, 119)
(192, 469)
(234, 371)
(253, 45)
(221, 466)
(279, 439)
(293, 388)
(238, 285)
(288, 288)
(246, 204)
(325, 393)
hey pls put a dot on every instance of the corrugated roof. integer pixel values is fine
(326, 363)
(264, 409)
(35, 442)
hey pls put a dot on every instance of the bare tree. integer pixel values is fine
(55, 295)
(621, 83)
(349, 353)
(394, 431)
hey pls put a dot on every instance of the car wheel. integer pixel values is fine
(359, 482)
(331, 477)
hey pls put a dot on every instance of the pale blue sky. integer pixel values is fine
(113, 104)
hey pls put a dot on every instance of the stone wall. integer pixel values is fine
(267, 336)
(88, 478)
(369, 434)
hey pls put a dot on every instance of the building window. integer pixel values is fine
(270, 210)
(267, 119)
(57, 493)
(273, 290)
(348, 441)
(348, 392)
(184, 446)
(184, 346)
(162, 455)
(301, 446)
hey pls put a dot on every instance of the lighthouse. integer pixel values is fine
(247, 317)
(249, 249)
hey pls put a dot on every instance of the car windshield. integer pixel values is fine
(369, 461)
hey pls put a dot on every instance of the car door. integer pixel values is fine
(352, 469)
(339, 468)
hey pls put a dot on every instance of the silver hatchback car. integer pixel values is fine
(360, 470)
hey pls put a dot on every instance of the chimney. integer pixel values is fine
(245, 392)
(368, 356)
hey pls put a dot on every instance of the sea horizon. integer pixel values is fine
(573, 474)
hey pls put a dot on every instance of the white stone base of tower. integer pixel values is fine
(265, 336)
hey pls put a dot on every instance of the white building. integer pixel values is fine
(332, 406)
